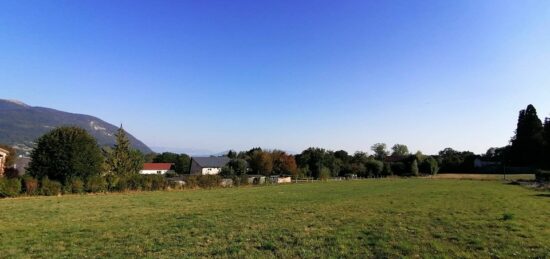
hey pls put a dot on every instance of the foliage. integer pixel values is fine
(546, 136)
(527, 144)
(284, 164)
(399, 168)
(182, 162)
(317, 158)
(455, 161)
(10, 187)
(387, 170)
(380, 151)
(399, 150)
(208, 181)
(374, 167)
(429, 166)
(77, 185)
(123, 160)
(96, 184)
(30, 185)
(414, 168)
(324, 174)
(65, 153)
(50, 187)
(542, 176)
(261, 162)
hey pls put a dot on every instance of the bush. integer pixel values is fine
(542, 176)
(374, 167)
(414, 168)
(30, 185)
(49, 187)
(209, 181)
(112, 182)
(77, 185)
(191, 182)
(429, 166)
(96, 184)
(387, 170)
(10, 187)
(399, 168)
(324, 174)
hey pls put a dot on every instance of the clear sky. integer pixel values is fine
(215, 75)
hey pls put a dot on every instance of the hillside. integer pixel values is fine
(21, 125)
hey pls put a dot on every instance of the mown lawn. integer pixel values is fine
(368, 218)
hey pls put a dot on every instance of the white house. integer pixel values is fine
(3, 155)
(208, 165)
(157, 168)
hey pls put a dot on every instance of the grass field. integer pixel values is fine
(485, 176)
(367, 218)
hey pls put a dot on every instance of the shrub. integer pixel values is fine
(324, 174)
(414, 168)
(30, 185)
(50, 187)
(159, 182)
(10, 187)
(96, 184)
(387, 169)
(112, 182)
(429, 166)
(77, 185)
(542, 176)
(209, 181)
(374, 167)
(399, 168)
(191, 182)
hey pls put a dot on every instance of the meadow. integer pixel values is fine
(363, 218)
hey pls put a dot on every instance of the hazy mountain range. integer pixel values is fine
(21, 125)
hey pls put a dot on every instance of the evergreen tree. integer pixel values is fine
(546, 158)
(527, 144)
(121, 159)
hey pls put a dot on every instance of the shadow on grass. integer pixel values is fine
(547, 195)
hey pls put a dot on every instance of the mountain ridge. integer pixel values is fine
(21, 124)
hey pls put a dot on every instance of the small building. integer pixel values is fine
(3, 156)
(284, 179)
(208, 165)
(157, 168)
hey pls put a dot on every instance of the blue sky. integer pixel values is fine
(215, 75)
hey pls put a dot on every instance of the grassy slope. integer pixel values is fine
(383, 218)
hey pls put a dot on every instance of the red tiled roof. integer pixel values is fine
(157, 166)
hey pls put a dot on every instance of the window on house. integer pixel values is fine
(159, 172)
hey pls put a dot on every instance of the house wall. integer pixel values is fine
(156, 171)
(210, 171)
(3, 156)
(196, 169)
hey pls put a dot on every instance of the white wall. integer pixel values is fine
(155, 171)
(210, 171)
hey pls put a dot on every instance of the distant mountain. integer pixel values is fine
(21, 125)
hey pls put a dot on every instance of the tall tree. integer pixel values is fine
(261, 162)
(66, 153)
(546, 157)
(527, 144)
(121, 161)
(380, 151)
(283, 163)
(400, 150)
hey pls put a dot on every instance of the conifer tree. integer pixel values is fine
(121, 159)
(527, 144)
(546, 158)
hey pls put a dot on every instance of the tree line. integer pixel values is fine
(68, 159)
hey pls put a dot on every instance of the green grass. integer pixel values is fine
(370, 218)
